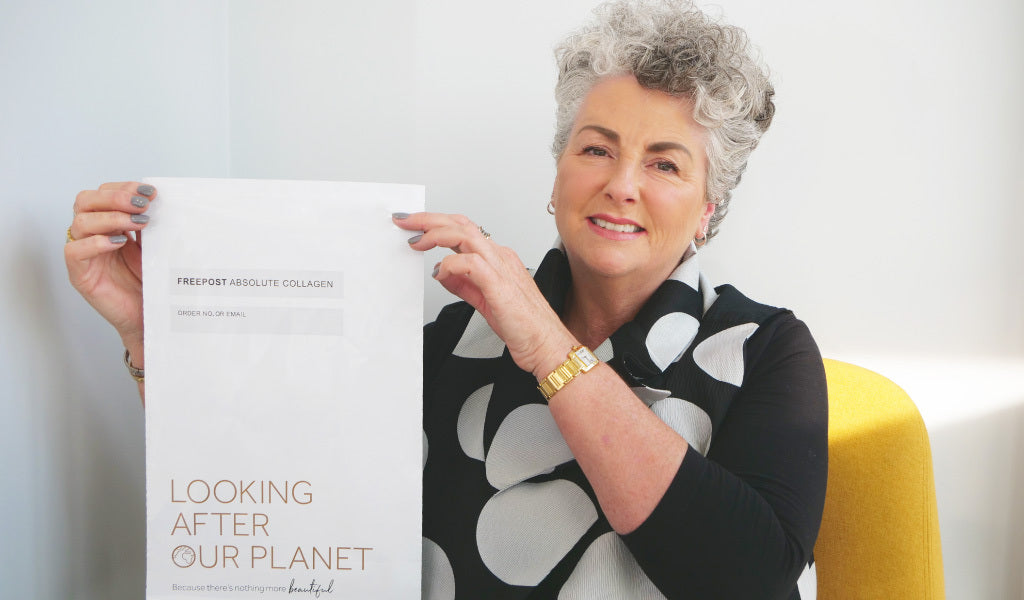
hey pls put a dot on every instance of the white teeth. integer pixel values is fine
(614, 226)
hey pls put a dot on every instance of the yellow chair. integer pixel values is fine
(879, 534)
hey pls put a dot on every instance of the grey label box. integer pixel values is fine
(256, 320)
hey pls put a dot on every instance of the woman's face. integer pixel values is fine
(629, 192)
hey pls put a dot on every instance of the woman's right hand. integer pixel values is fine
(104, 260)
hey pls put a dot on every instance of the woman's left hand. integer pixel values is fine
(493, 280)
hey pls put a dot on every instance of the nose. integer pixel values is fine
(623, 182)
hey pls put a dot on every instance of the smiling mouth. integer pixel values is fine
(621, 228)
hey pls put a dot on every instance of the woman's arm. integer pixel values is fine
(628, 454)
(742, 521)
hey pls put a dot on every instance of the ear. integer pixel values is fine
(709, 209)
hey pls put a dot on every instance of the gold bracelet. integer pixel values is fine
(581, 360)
(137, 374)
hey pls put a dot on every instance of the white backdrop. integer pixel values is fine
(883, 206)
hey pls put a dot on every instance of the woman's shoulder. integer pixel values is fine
(768, 329)
(731, 306)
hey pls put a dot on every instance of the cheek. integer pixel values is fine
(678, 214)
(579, 181)
(558, 187)
(567, 192)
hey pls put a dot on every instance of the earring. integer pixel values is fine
(703, 239)
(551, 207)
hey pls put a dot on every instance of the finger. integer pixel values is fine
(405, 220)
(468, 276)
(134, 187)
(93, 246)
(456, 240)
(426, 220)
(126, 198)
(429, 221)
(458, 236)
(86, 224)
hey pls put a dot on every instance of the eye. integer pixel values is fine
(595, 151)
(667, 166)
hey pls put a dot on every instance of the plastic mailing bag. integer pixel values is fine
(283, 390)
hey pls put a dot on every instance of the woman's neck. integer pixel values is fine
(595, 310)
(596, 307)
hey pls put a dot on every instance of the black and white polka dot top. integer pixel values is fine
(508, 512)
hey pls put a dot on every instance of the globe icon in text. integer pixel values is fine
(183, 556)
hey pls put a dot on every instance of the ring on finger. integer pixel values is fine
(486, 235)
(70, 237)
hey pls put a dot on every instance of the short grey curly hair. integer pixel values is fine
(671, 46)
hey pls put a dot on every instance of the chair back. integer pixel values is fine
(879, 534)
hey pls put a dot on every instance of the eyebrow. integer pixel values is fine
(655, 147)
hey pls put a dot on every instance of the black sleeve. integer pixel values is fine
(742, 522)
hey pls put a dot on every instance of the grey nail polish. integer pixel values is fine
(145, 189)
(139, 201)
(437, 269)
(399, 216)
(140, 218)
(415, 238)
(118, 239)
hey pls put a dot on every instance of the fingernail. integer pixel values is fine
(415, 238)
(437, 269)
(139, 201)
(145, 189)
(118, 239)
(140, 218)
(399, 216)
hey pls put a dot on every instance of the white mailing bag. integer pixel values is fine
(283, 390)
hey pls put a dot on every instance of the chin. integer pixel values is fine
(607, 264)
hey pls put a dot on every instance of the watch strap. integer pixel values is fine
(580, 360)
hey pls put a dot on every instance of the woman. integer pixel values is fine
(685, 456)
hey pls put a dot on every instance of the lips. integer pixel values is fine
(621, 226)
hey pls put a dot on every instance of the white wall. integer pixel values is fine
(882, 206)
(885, 206)
(91, 92)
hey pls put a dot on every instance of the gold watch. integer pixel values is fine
(581, 360)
